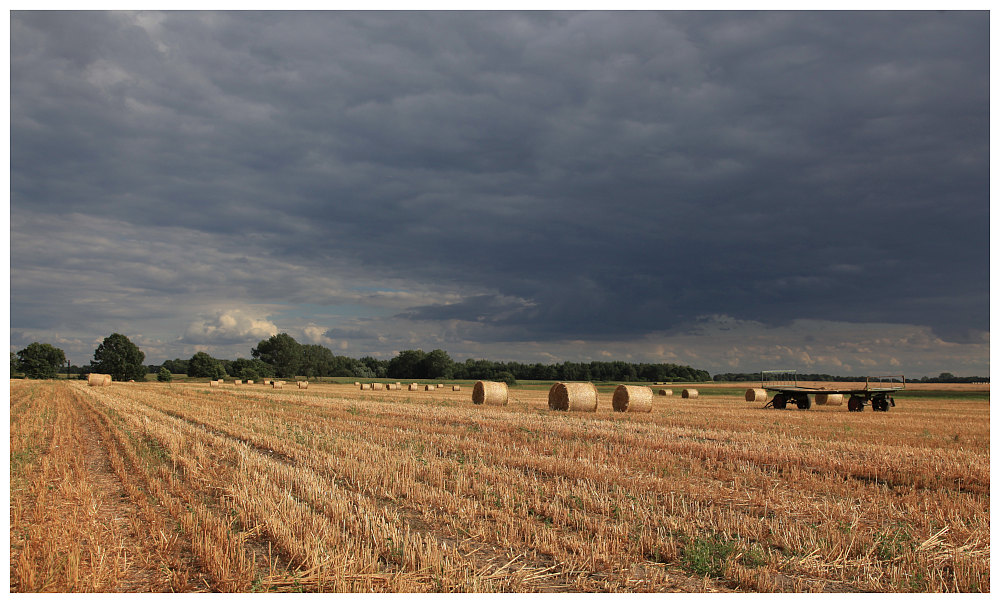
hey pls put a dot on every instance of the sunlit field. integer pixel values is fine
(183, 487)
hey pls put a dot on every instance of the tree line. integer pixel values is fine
(283, 357)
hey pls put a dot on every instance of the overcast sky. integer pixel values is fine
(730, 190)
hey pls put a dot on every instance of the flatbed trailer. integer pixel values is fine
(877, 392)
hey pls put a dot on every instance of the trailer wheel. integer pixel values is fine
(779, 401)
(856, 404)
(880, 404)
(804, 403)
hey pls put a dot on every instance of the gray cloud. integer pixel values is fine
(519, 177)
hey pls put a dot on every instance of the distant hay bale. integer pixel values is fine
(664, 392)
(440, 385)
(107, 379)
(277, 384)
(429, 387)
(266, 382)
(830, 399)
(357, 383)
(689, 393)
(98, 379)
(237, 382)
(573, 397)
(414, 387)
(493, 393)
(456, 388)
(378, 386)
(632, 398)
(131, 380)
(213, 383)
(756, 394)
(249, 381)
(303, 384)
(390, 386)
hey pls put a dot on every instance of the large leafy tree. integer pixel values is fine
(408, 364)
(119, 357)
(203, 365)
(282, 352)
(40, 361)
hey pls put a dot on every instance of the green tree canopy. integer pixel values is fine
(40, 361)
(119, 357)
(164, 375)
(203, 365)
(245, 368)
(282, 352)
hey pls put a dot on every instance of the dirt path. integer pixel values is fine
(79, 531)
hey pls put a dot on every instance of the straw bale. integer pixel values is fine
(573, 396)
(98, 379)
(664, 392)
(277, 384)
(456, 388)
(414, 387)
(756, 394)
(213, 383)
(440, 385)
(249, 381)
(237, 382)
(689, 393)
(429, 387)
(357, 383)
(493, 393)
(303, 384)
(378, 386)
(830, 399)
(632, 398)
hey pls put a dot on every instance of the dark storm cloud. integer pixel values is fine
(569, 174)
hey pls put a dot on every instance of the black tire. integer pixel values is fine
(856, 404)
(880, 404)
(779, 401)
(804, 403)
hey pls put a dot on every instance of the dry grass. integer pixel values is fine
(153, 487)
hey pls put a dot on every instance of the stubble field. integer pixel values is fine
(156, 487)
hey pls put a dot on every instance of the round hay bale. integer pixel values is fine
(96, 379)
(456, 388)
(107, 379)
(237, 382)
(830, 399)
(414, 387)
(632, 398)
(573, 397)
(689, 393)
(378, 386)
(357, 383)
(493, 393)
(664, 392)
(429, 387)
(249, 381)
(756, 394)
(213, 383)
(277, 384)
(440, 385)
(303, 384)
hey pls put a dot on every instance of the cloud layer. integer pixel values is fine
(493, 182)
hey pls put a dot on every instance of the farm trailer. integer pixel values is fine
(877, 392)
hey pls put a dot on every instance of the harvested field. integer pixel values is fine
(157, 487)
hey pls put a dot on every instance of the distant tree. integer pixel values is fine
(408, 364)
(176, 366)
(317, 361)
(245, 368)
(119, 357)
(203, 365)
(507, 377)
(282, 352)
(164, 376)
(437, 365)
(40, 361)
